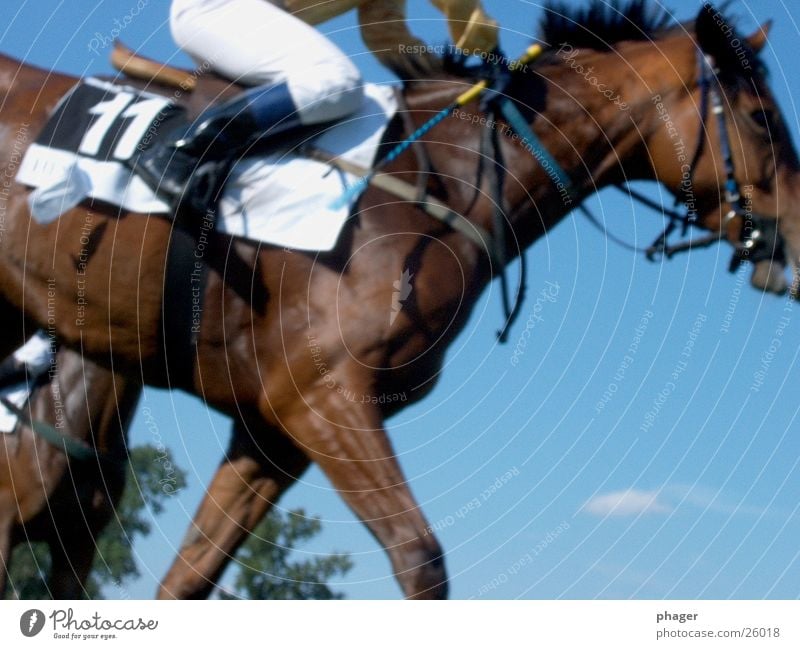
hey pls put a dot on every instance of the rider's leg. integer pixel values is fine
(300, 78)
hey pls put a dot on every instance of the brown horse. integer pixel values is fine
(303, 341)
(47, 496)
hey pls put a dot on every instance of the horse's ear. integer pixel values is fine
(712, 31)
(717, 37)
(758, 39)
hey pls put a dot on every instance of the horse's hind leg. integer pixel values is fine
(14, 328)
(347, 440)
(6, 523)
(247, 483)
(71, 562)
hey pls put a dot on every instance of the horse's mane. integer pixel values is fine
(599, 25)
(603, 23)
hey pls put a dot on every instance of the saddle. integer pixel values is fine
(136, 66)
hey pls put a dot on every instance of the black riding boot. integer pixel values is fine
(261, 112)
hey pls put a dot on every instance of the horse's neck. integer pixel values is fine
(596, 119)
(590, 123)
(601, 106)
(587, 134)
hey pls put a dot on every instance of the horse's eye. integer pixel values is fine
(765, 118)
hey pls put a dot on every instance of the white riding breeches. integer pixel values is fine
(255, 43)
(36, 353)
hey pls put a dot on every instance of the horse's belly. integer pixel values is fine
(94, 281)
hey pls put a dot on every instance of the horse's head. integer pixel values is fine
(719, 142)
(623, 93)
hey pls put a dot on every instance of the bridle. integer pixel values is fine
(758, 238)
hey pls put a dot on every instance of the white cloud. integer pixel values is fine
(629, 502)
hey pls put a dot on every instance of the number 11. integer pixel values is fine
(143, 113)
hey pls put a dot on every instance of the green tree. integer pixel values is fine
(269, 569)
(28, 575)
(268, 566)
(152, 478)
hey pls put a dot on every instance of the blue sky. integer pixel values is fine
(691, 494)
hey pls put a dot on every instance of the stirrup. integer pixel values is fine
(166, 170)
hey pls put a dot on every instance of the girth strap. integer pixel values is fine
(186, 270)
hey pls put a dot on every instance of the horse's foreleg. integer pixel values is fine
(347, 440)
(248, 482)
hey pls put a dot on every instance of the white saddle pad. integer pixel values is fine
(287, 200)
(282, 199)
